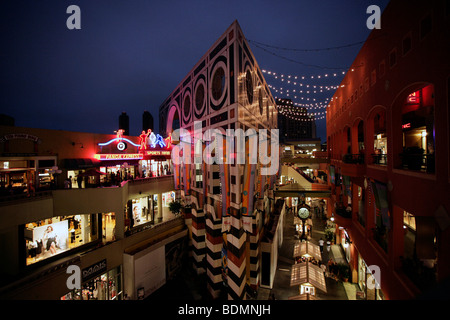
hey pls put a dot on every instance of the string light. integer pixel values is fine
(304, 77)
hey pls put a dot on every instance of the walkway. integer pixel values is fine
(336, 290)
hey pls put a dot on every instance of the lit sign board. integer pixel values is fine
(406, 125)
(414, 97)
(157, 153)
(125, 156)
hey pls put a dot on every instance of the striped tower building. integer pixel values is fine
(229, 203)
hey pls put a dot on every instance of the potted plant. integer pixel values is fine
(344, 271)
(175, 207)
(329, 235)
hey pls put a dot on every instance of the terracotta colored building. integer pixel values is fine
(388, 144)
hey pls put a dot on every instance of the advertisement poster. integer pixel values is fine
(52, 237)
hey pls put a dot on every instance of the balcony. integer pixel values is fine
(379, 159)
(418, 162)
(343, 217)
(353, 165)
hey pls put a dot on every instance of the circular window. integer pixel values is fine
(249, 86)
(218, 83)
(199, 97)
(187, 106)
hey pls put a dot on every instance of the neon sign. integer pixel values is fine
(157, 153)
(150, 144)
(406, 125)
(414, 97)
(118, 139)
(124, 156)
(153, 140)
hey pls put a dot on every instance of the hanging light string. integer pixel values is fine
(307, 50)
(296, 61)
(297, 112)
(295, 92)
(347, 45)
(304, 77)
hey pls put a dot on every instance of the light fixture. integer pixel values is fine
(75, 143)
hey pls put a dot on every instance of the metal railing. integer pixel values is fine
(418, 162)
(353, 158)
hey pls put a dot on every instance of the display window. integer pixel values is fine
(47, 238)
(107, 286)
(155, 168)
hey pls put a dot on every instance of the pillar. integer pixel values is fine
(159, 216)
(198, 239)
(255, 245)
(236, 245)
(214, 255)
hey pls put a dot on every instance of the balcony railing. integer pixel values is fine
(379, 159)
(418, 162)
(353, 158)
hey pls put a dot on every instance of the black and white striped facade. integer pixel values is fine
(224, 90)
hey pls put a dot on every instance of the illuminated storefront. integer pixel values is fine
(99, 284)
(48, 238)
(144, 212)
(122, 159)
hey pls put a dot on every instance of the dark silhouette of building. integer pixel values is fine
(147, 121)
(6, 120)
(124, 123)
(294, 122)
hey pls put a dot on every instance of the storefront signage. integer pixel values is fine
(94, 270)
(25, 136)
(406, 125)
(124, 156)
(157, 153)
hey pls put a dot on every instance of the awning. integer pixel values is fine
(113, 163)
(307, 249)
(81, 163)
(308, 273)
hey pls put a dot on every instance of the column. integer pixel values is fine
(159, 216)
(198, 239)
(214, 246)
(236, 239)
(255, 245)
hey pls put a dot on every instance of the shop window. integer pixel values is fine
(418, 130)
(361, 207)
(108, 286)
(378, 194)
(48, 238)
(379, 156)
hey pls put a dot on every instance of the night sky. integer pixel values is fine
(130, 54)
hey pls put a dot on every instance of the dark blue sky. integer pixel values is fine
(130, 54)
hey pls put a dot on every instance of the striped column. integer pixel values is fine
(236, 247)
(198, 238)
(214, 245)
(255, 244)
